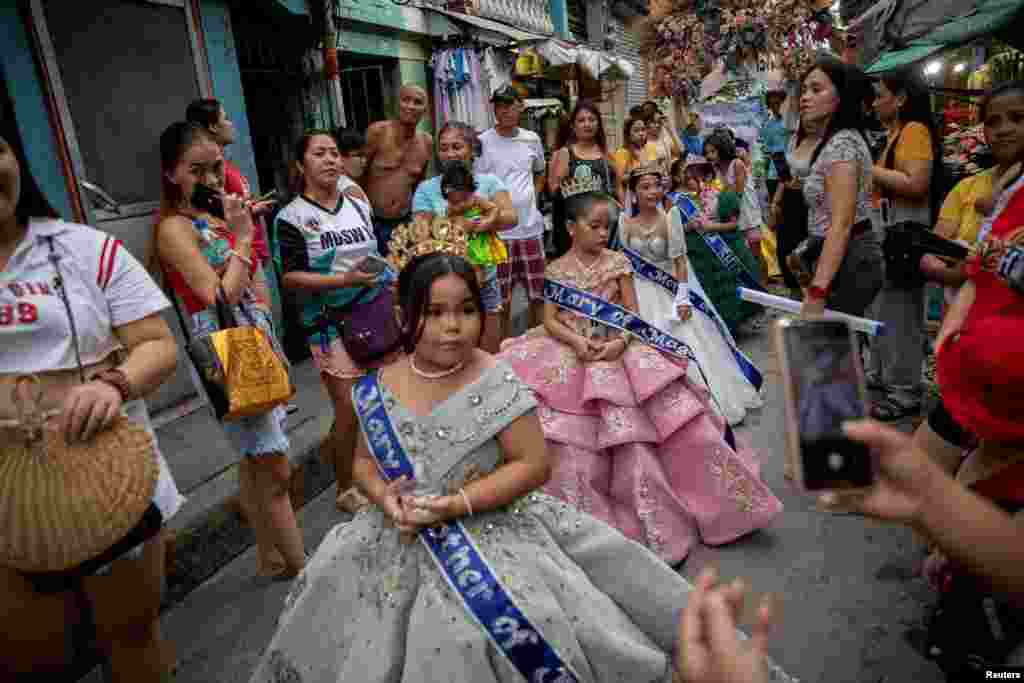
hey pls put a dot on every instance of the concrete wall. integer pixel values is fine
(25, 85)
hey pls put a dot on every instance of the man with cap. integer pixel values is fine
(396, 163)
(517, 156)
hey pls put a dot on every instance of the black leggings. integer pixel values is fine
(791, 232)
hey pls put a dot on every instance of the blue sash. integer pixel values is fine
(616, 317)
(653, 273)
(459, 560)
(731, 262)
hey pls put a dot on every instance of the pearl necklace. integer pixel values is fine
(435, 375)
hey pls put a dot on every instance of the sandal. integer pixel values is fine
(351, 501)
(891, 410)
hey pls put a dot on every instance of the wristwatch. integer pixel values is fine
(117, 379)
(816, 292)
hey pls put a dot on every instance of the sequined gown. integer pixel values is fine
(369, 608)
(734, 394)
(633, 442)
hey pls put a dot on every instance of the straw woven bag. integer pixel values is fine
(62, 504)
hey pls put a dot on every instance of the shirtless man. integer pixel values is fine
(396, 162)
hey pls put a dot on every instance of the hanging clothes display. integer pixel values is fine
(460, 90)
(497, 69)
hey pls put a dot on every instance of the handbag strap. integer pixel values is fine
(177, 309)
(58, 284)
(890, 163)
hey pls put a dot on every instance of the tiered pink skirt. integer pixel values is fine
(635, 444)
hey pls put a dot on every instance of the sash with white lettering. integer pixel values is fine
(717, 245)
(666, 281)
(459, 560)
(616, 317)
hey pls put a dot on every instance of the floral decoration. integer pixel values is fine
(697, 33)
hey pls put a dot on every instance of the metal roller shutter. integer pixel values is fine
(627, 46)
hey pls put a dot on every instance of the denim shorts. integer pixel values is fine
(490, 290)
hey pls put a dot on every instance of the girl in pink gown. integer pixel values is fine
(632, 441)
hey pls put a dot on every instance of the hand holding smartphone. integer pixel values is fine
(205, 198)
(824, 387)
(372, 265)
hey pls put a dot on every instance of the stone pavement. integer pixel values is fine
(848, 589)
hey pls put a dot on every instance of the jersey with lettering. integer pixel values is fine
(314, 239)
(106, 286)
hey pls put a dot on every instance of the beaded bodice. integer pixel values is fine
(457, 440)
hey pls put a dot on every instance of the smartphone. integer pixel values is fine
(207, 199)
(782, 167)
(372, 265)
(824, 386)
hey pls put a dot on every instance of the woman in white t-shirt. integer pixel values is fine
(120, 340)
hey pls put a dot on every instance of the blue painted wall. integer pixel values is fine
(227, 82)
(23, 82)
(560, 17)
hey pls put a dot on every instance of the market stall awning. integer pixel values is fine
(895, 33)
(890, 61)
(597, 63)
(512, 33)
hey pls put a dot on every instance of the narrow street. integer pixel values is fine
(848, 586)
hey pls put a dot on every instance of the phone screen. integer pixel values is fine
(782, 167)
(207, 199)
(827, 390)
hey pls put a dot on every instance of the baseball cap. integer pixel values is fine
(506, 94)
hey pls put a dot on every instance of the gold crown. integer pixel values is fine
(648, 168)
(574, 186)
(426, 236)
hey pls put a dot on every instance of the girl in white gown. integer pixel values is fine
(659, 239)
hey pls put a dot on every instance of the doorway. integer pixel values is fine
(116, 89)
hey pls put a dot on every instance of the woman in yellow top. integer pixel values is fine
(902, 181)
(635, 152)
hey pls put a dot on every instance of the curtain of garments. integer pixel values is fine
(462, 89)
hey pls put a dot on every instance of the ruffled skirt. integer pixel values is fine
(636, 444)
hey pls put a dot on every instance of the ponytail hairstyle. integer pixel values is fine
(176, 139)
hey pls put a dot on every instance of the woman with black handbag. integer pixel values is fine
(328, 253)
(204, 245)
(903, 183)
